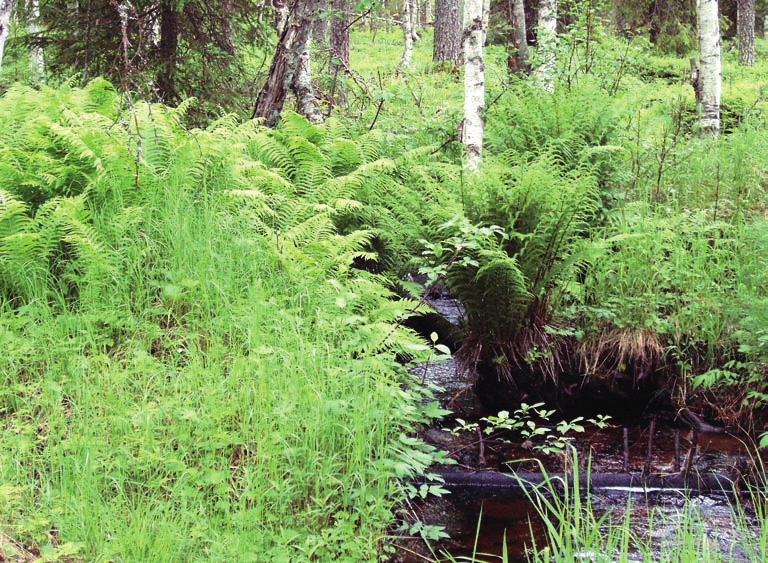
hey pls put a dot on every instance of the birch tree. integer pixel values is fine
(765, 26)
(546, 37)
(745, 30)
(407, 26)
(471, 128)
(427, 17)
(519, 60)
(415, 19)
(6, 9)
(36, 65)
(289, 70)
(710, 76)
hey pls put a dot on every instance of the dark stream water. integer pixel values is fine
(618, 449)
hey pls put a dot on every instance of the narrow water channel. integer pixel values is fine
(613, 455)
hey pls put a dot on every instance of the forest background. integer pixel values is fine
(204, 317)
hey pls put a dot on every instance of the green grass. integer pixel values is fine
(577, 531)
(199, 376)
(192, 370)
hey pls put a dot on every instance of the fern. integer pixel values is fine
(510, 278)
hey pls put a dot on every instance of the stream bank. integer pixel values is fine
(649, 463)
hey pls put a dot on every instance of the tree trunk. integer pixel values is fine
(517, 62)
(415, 19)
(285, 72)
(745, 25)
(36, 64)
(447, 46)
(547, 44)
(710, 75)
(228, 10)
(340, 33)
(427, 17)
(405, 60)
(306, 104)
(169, 46)
(765, 26)
(280, 8)
(471, 128)
(320, 25)
(6, 9)
(87, 54)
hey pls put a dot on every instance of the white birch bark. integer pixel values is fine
(36, 68)
(427, 17)
(281, 15)
(471, 129)
(405, 60)
(546, 37)
(765, 26)
(415, 19)
(6, 9)
(306, 103)
(710, 75)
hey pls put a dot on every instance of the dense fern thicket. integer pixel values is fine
(192, 369)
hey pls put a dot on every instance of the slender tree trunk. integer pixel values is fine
(447, 46)
(518, 62)
(280, 8)
(710, 76)
(36, 64)
(169, 46)
(6, 9)
(547, 44)
(405, 60)
(320, 25)
(415, 19)
(306, 104)
(87, 56)
(228, 9)
(287, 64)
(427, 17)
(471, 128)
(765, 25)
(340, 32)
(745, 24)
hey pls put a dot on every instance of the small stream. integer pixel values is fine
(639, 466)
(608, 454)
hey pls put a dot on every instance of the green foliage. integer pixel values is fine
(528, 421)
(530, 217)
(576, 528)
(193, 369)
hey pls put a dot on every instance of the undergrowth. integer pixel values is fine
(199, 326)
(192, 368)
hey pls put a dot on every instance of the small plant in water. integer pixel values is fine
(555, 438)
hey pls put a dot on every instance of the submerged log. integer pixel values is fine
(629, 482)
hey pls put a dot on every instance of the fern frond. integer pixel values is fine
(292, 124)
(266, 147)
